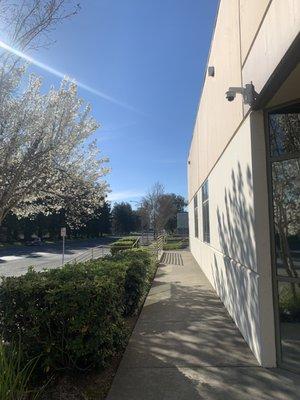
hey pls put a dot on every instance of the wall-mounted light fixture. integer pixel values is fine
(248, 93)
(211, 70)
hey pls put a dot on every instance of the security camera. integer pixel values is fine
(248, 93)
(230, 95)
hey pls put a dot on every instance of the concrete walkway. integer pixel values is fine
(185, 346)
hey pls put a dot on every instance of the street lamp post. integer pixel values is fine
(139, 203)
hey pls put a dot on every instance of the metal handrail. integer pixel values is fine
(90, 253)
(157, 246)
(136, 242)
(87, 255)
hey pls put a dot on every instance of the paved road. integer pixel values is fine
(15, 261)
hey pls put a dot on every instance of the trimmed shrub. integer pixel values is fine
(116, 249)
(289, 303)
(131, 239)
(139, 273)
(73, 317)
(70, 317)
(135, 284)
(175, 243)
(123, 244)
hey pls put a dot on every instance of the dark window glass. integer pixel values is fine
(205, 213)
(205, 191)
(285, 132)
(289, 314)
(286, 209)
(196, 216)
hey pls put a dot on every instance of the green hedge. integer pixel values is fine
(175, 244)
(123, 244)
(73, 317)
(131, 239)
(289, 303)
(116, 248)
(139, 273)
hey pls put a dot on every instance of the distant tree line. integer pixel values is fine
(48, 226)
(157, 211)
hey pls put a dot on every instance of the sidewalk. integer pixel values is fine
(185, 346)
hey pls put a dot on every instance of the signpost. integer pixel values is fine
(63, 234)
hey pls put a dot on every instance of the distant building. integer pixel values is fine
(183, 223)
(244, 174)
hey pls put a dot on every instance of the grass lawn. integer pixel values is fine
(175, 243)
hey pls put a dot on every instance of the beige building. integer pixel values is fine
(243, 174)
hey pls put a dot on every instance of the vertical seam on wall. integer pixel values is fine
(199, 104)
(205, 71)
(240, 48)
(198, 154)
(256, 33)
(223, 151)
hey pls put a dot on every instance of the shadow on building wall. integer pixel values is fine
(234, 272)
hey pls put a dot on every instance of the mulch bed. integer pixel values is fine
(91, 385)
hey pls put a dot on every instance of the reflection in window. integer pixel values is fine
(285, 132)
(289, 311)
(205, 213)
(196, 215)
(286, 205)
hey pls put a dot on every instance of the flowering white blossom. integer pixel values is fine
(45, 162)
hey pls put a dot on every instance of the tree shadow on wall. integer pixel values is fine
(236, 281)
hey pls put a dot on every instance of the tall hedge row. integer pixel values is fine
(73, 317)
(124, 244)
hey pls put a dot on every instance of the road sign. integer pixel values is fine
(63, 232)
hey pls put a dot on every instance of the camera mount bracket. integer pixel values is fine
(248, 93)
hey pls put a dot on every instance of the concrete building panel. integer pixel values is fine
(217, 119)
(193, 167)
(251, 16)
(253, 41)
(230, 260)
(278, 30)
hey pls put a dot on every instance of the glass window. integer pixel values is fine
(286, 211)
(205, 213)
(285, 131)
(284, 134)
(196, 216)
(289, 314)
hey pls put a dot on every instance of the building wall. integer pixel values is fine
(228, 148)
(241, 52)
(279, 29)
(252, 13)
(230, 260)
(211, 134)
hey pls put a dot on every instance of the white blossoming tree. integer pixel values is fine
(45, 163)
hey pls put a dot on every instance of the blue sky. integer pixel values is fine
(150, 57)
